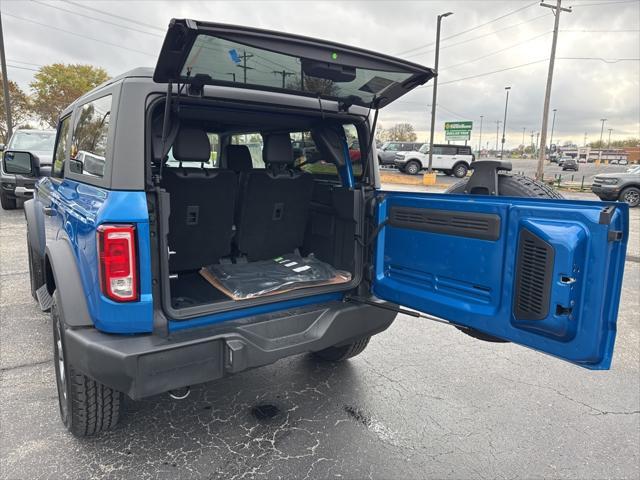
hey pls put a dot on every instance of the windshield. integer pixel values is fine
(424, 148)
(33, 141)
(635, 169)
(229, 61)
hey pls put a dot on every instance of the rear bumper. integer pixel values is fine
(145, 365)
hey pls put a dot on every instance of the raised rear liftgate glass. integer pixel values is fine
(208, 53)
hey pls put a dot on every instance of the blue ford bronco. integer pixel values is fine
(159, 174)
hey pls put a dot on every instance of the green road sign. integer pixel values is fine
(458, 126)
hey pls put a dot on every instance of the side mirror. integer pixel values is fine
(22, 163)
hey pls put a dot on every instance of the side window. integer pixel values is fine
(254, 142)
(449, 150)
(61, 147)
(89, 139)
(437, 150)
(393, 147)
(313, 161)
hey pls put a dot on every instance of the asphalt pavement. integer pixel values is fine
(423, 401)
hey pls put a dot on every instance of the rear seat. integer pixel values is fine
(274, 203)
(202, 204)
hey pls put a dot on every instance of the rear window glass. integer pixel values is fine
(253, 141)
(228, 61)
(89, 139)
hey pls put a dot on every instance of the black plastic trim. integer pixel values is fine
(64, 268)
(484, 226)
(145, 365)
(534, 274)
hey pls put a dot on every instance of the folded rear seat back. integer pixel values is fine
(274, 205)
(202, 204)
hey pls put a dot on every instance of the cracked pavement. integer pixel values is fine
(422, 401)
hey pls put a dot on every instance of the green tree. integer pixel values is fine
(56, 86)
(20, 110)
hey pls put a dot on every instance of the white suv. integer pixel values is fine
(450, 159)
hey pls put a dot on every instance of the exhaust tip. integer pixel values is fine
(180, 394)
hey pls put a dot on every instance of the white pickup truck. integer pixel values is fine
(450, 159)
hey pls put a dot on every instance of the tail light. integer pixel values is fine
(118, 263)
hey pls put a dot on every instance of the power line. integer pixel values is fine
(113, 15)
(493, 32)
(470, 29)
(78, 34)
(604, 3)
(611, 60)
(22, 68)
(97, 19)
(497, 51)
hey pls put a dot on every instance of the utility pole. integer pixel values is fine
(5, 85)
(480, 139)
(557, 9)
(538, 142)
(284, 74)
(533, 147)
(435, 90)
(609, 143)
(601, 132)
(504, 123)
(523, 129)
(553, 124)
(498, 122)
(233, 75)
(585, 139)
(245, 56)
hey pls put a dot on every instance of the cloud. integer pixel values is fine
(583, 90)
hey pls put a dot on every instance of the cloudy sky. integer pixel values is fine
(486, 46)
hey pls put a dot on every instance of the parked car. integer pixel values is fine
(17, 178)
(387, 153)
(123, 257)
(624, 187)
(570, 164)
(451, 159)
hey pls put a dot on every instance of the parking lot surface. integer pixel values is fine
(423, 400)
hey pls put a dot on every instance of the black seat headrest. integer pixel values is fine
(239, 158)
(277, 149)
(192, 145)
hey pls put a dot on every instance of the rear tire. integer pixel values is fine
(412, 168)
(86, 407)
(631, 196)
(340, 354)
(460, 170)
(6, 202)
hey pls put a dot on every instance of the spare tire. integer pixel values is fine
(514, 186)
(508, 186)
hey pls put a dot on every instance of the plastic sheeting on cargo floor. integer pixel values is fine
(242, 281)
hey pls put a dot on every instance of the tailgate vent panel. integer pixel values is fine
(534, 271)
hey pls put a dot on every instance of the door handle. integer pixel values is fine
(50, 211)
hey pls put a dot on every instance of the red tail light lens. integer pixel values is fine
(118, 264)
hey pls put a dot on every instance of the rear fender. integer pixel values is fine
(35, 227)
(61, 267)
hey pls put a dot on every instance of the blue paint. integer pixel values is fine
(346, 171)
(471, 282)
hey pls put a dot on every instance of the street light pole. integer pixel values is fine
(498, 122)
(5, 86)
(553, 124)
(601, 132)
(609, 143)
(504, 123)
(480, 139)
(557, 9)
(435, 90)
